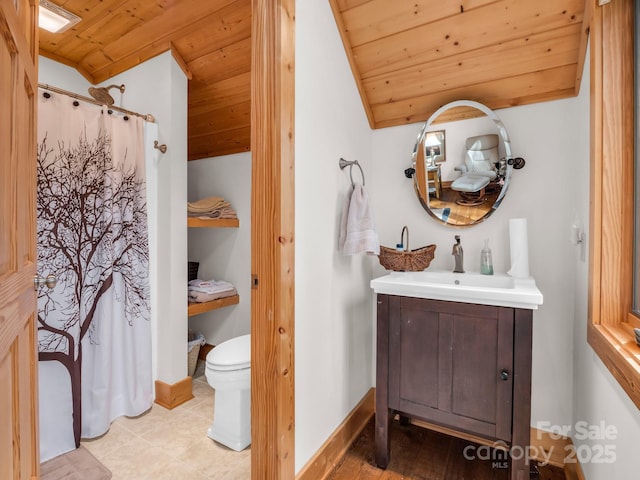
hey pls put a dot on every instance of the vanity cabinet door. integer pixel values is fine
(452, 364)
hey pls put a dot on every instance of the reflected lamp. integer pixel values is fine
(431, 142)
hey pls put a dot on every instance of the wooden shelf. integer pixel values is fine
(197, 308)
(213, 222)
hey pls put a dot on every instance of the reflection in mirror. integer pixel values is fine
(470, 186)
(435, 147)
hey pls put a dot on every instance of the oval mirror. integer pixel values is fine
(461, 163)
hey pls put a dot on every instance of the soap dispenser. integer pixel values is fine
(486, 262)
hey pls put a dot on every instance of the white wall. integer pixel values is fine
(159, 87)
(223, 253)
(542, 192)
(334, 331)
(61, 76)
(597, 395)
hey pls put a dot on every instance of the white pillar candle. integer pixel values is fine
(519, 246)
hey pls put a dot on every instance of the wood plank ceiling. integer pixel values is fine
(408, 57)
(210, 38)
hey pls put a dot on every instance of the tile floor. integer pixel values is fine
(170, 444)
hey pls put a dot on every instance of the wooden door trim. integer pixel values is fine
(272, 245)
(19, 445)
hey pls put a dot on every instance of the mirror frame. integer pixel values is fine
(507, 150)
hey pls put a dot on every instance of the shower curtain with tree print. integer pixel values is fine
(92, 234)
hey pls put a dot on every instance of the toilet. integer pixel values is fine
(228, 371)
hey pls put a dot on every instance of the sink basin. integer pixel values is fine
(472, 287)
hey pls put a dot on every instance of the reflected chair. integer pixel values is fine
(478, 173)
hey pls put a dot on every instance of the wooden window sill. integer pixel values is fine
(616, 347)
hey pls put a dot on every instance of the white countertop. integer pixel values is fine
(472, 287)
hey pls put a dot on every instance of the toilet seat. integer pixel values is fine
(234, 354)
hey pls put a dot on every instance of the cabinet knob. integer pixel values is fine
(504, 375)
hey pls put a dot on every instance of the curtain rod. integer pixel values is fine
(148, 117)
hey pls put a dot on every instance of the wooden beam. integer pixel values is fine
(180, 61)
(272, 247)
(344, 35)
(586, 28)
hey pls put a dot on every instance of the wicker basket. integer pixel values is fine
(406, 261)
(192, 270)
(193, 360)
(195, 341)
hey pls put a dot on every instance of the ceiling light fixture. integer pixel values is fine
(55, 19)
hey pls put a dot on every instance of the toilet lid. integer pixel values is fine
(234, 354)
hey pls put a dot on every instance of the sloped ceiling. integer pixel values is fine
(408, 57)
(211, 39)
(411, 57)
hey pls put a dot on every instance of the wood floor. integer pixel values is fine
(461, 214)
(421, 454)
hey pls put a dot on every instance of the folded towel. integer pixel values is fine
(361, 234)
(343, 219)
(228, 212)
(205, 204)
(224, 212)
(199, 297)
(207, 283)
(209, 286)
(211, 207)
(211, 290)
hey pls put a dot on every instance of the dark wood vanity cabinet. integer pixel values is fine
(464, 367)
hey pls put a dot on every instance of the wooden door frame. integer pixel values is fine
(272, 250)
(19, 445)
(272, 240)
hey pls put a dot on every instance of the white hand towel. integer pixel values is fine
(343, 220)
(361, 231)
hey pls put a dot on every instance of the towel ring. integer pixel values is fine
(345, 163)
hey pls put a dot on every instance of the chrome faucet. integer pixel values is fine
(458, 255)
